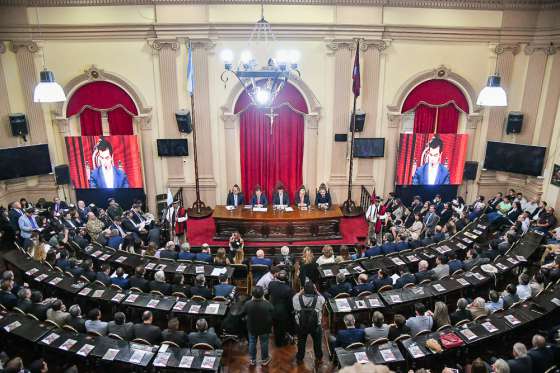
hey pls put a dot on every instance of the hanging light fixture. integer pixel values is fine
(493, 94)
(48, 90)
(261, 84)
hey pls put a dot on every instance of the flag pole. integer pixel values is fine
(199, 208)
(349, 207)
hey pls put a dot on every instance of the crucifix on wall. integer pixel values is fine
(271, 115)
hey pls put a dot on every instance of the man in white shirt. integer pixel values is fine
(525, 221)
(531, 206)
(372, 214)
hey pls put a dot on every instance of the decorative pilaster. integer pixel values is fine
(551, 97)
(166, 50)
(310, 153)
(534, 79)
(25, 51)
(6, 139)
(144, 124)
(505, 54)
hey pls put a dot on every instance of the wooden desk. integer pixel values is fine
(275, 225)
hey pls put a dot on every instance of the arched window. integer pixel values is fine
(436, 105)
(90, 100)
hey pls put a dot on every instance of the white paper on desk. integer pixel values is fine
(398, 261)
(131, 298)
(327, 272)
(361, 357)
(150, 265)
(344, 271)
(163, 347)
(477, 231)
(415, 351)
(478, 276)
(208, 362)
(358, 269)
(85, 350)
(161, 359)
(467, 240)
(260, 209)
(512, 319)
(489, 326)
(104, 257)
(218, 271)
(97, 253)
(468, 334)
(395, 298)
(153, 303)
(32, 271)
(85, 291)
(512, 261)
(68, 344)
(181, 268)
(229, 207)
(12, 326)
(179, 306)
(55, 280)
(556, 301)
(195, 308)
(438, 287)
(186, 361)
(461, 246)
(412, 258)
(161, 267)
(50, 338)
(387, 355)
(120, 259)
(212, 309)
(374, 302)
(98, 293)
(463, 282)
(110, 354)
(199, 269)
(290, 209)
(118, 297)
(417, 290)
(41, 277)
(521, 258)
(343, 305)
(248, 207)
(137, 356)
(361, 304)
(501, 266)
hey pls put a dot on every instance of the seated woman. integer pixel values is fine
(302, 198)
(259, 199)
(323, 199)
(416, 229)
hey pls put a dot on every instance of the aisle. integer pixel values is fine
(202, 231)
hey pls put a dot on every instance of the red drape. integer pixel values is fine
(102, 95)
(425, 119)
(448, 119)
(268, 158)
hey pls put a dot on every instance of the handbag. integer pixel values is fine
(450, 340)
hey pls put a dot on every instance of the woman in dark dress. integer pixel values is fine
(308, 269)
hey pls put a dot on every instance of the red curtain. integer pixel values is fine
(270, 157)
(424, 119)
(102, 95)
(448, 119)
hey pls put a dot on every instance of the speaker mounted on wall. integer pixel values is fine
(340, 137)
(184, 122)
(18, 125)
(470, 170)
(360, 121)
(514, 122)
(62, 174)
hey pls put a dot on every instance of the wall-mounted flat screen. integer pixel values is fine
(520, 159)
(369, 148)
(25, 161)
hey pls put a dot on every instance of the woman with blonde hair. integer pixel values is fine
(308, 269)
(39, 251)
(416, 228)
(441, 315)
(221, 258)
(239, 257)
(327, 257)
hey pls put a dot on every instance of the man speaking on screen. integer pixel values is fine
(106, 175)
(432, 172)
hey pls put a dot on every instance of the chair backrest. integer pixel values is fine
(457, 272)
(52, 323)
(58, 269)
(97, 282)
(3, 308)
(202, 346)
(198, 298)
(259, 268)
(179, 294)
(462, 322)
(425, 281)
(134, 289)
(402, 337)
(385, 288)
(156, 292)
(354, 345)
(479, 317)
(364, 293)
(68, 273)
(498, 310)
(220, 298)
(378, 341)
(141, 341)
(83, 278)
(18, 310)
(551, 369)
(115, 336)
(422, 332)
(342, 295)
(116, 287)
(48, 264)
(93, 333)
(70, 329)
(445, 326)
(170, 343)
(409, 285)
(32, 316)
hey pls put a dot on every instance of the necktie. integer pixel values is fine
(32, 221)
(281, 199)
(235, 200)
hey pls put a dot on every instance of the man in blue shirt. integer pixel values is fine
(185, 253)
(351, 334)
(260, 259)
(115, 240)
(454, 263)
(363, 285)
(389, 246)
(205, 255)
(373, 251)
(120, 279)
(223, 289)
(401, 243)
(341, 286)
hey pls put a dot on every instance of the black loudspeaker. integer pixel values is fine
(18, 124)
(514, 122)
(340, 137)
(469, 172)
(62, 174)
(184, 121)
(360, 121)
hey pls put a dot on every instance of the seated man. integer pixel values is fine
(260, 259)
(57, 313)
(94, 323)
(454, 263)
(62, 262)
(204, 335)
(405, 278)
(402, 243)
(115, 240)
(259, 199)
(199, 287)
(382, 278)
(120, 279)
(146, 330)
(185, 253)
(138, 281)
(7, 298)
(389, 246)
(473, 260)
(120, 327)
(104, 275)
(442, 268)
(168, 252)
(24, 299)
(378, 328)
(423, 272)
(159, 283)
(438, 234)
(280, 198)
(204, 255)
(76, 320)
(521, 363)
(39, 308)
(224, 289)
(235, 197)
(363, 285)
(462, 313)
(541, 355)
(494, 302)
(351, 334)
(374, 250)
(421, 321)
(341, 286)
(173, 334)
(523, 288)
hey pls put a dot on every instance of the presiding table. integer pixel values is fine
(277, 225)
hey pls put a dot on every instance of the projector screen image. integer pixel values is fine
(104, 162)
(431, 159)
(521, 159)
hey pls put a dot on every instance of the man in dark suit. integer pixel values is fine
(401, 243)
(117, 225)
(138, 280)
(431, 219)
(107, 175)
(351, 334)
(173, 334)
(521, 363)
(405, 278)
(14, 214)
(104, 275)
(159, 284)
(423, 272)
(281, 294)
(281, 197)
(38, 308)
(204, 335)
(168, 252)
(199, 287)
(284, 258)
(259, 199)
(223, 289)
(58, 207)
(76, 320)
(120, 327)
(24, 299)
(363, 285)
(341, 286)
(461, 313)
(146, 330)
(432, 172)
(382, 278)
(120, 279)
(541, 355)
(235, 197)
(7, 298)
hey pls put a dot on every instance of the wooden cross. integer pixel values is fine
(271, 115)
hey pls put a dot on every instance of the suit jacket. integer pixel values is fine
(59, 317)
(460, 315)
(115, 242)
(124, 330)
(168, 254)
(124, 283)
(77, 323)
(39, 310)
(325, 199)
(104, 278)
(204, 337)
(430, 220)
(162, 287)
(261, 201)
(421, 175)
(96, 179)
(421, 276)
(297, 200)
(14, 216)
(368, 286)
(407, 278)
(520, 365)
(224, 290)
(26, 226)
(7, 299)
(177, 336)
(345, 337)
(201, 291)
(285, 199)
(139, 282)
(128, 226)
(150, 333)
(230, 199)
(281, 295)
(542, 358)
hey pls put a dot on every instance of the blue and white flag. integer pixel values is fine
(190, 70)
(169, 197)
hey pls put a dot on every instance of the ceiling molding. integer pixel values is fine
(440, 4)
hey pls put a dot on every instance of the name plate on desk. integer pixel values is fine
(260, 209)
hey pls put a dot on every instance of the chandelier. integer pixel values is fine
(262, 84)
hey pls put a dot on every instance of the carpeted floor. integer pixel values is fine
(202, 231)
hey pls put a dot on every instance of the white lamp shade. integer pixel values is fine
(493, 94)
(48, 90)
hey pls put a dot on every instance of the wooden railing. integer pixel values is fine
(365, 199)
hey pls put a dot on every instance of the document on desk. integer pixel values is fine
(260, 209)
(137, 356)
(415, 351)
(98, 293)
(186, 362)
(212, 309)
(68, 344)
(361, 357)
(342, 305)
(50, 338)
(387, 355)
(85, 350)
(208, 362)
(468, 334)
(153, 303)
(489, 326)
(179, 306)
(161, 359)
(218, 271)
(110, 354)
(12, 326)
(131, 298)
(195, 308)
(289, 209)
